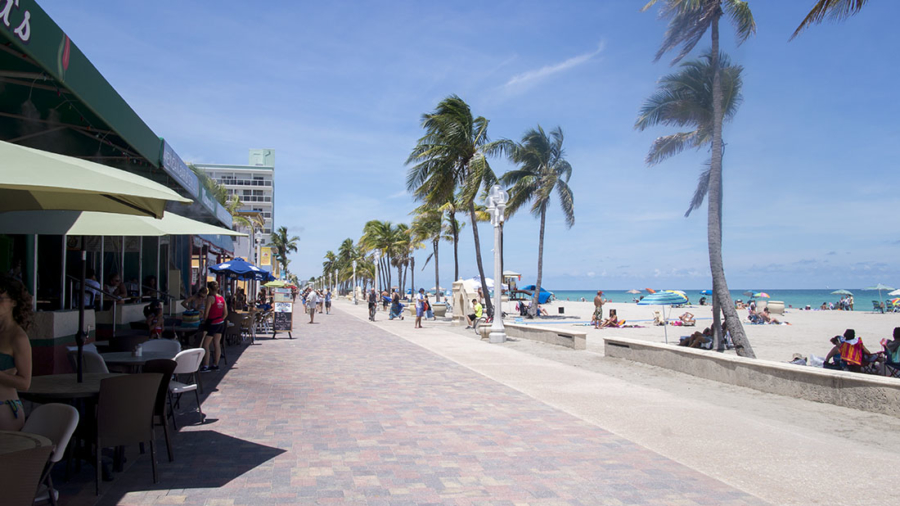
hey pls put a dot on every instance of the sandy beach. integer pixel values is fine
(808, 332)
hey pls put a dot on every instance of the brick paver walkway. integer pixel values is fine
(346, 413)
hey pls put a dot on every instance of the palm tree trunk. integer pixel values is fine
(487, 300)
(714, 223)
(437, 277)
(540, 269)
(455, 230)
(412, 274)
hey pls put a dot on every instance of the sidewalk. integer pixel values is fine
(348, 413)
(784, 450)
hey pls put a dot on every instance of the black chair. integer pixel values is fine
(125, 412)
(166, 367)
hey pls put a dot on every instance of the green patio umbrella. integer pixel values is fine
(31, 179)
(278, 283)
(104, 224)
(881, 288)
(841, 292)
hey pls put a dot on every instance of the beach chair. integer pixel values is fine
(877, 307)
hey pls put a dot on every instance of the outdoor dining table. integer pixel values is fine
(12, 441)
(53, 387)
(125, 358)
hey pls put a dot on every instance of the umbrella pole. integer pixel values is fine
(79, 336)
(665, 324)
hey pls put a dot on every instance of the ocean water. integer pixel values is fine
(792, 298)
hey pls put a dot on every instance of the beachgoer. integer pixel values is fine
(850, 353)
(15, 351)
(214, 325)
(698, 339)
(612, 321)
(850, 302)
(372, 301)
(687, 319)
(328, 301)
(149, 288)
(598, 309)
(396, 308)
(312, 301)
(477, 308)
(420, 308)
(542, 311)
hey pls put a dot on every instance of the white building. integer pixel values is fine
(254, 184)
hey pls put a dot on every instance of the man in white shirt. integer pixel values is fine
(91, 289)
(312, 299)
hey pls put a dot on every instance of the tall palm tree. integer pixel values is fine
(283, 245)
(542, 171)
(451, 157)
(684, 99)
(689, 20)
(380, 236)
(837, 10)
(218, 191)
(428, 225)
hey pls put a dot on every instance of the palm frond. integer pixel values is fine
(701, 190)
(738, 11)
(836, 10)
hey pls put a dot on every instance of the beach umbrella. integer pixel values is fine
(666, 298)
(239, 268)
(761, 295)
(748, 293)
(650, 290)
(633, 291)
(278, 283)
(881, 288)
(895, 293)
(705, 292)
(843, 292)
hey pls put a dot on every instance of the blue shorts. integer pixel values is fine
(419, 312)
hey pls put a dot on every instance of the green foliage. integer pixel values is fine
(690, 19)
(219, 192)
(836, 10)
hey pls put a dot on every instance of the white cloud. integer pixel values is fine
(530, 77)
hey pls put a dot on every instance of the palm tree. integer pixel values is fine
(219, 192)
(428, 225)
(688, 22)
(381, 236)
(283, 245)
(542, 170)
(684, 99)
(451, 157)
(837, 10)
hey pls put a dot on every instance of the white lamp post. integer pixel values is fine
(377, 283)
(496, 202)
(354, 283)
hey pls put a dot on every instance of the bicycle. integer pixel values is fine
(487, 319)
(372, 312)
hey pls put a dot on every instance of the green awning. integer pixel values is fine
(104, 224)
(31, 179)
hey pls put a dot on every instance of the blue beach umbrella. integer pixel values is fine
(705, 292)
(667, 298)
(239, 268)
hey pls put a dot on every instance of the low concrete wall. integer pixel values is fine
(852, 390)
(571, 339)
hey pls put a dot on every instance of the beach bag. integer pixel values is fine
(190, 318)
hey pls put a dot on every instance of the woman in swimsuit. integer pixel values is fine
(15, 351)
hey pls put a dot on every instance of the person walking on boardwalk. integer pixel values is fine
(312, 300)
(373, 304)
(328, 301)
(420, 307)
(214, 325)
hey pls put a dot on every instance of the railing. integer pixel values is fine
(245, 182)
(254, 198)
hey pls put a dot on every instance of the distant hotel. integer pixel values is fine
(254, 184)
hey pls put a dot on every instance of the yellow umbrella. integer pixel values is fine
(31, 179)
(104, 224)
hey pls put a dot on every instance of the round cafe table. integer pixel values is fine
(125, 358)
(64, 386)
(14, 441)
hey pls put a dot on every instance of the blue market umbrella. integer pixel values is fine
(705, 292)
(239, 268)
(663, 299)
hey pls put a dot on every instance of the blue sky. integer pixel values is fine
(338, 90)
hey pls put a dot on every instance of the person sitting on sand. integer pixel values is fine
(697, 340)
(612, 321)
(767, 318)
(850, 353)
(542, 311)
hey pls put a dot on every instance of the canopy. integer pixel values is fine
(278, 283)
(241, 269)
(32, 179)
(841, 292)
(511, 274)
(103, 224)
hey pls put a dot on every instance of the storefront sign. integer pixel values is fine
(175, 167)
(21, 19)
(265, 256)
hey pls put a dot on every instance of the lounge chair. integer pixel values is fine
(877, 306)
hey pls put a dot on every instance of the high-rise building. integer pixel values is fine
(254, 184)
